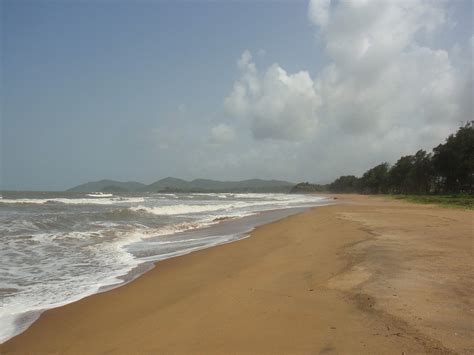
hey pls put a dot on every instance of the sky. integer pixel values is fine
(230, 90)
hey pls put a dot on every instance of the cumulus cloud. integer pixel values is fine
(385, 90)
(222, 134)
(277, 104)
(383, 77)
(318, 12)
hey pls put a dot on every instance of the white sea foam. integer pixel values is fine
(264, 202)
(100, 194)
(59, 291)
(180, 209)
(58, 288)
(214, 240)
(75, 201)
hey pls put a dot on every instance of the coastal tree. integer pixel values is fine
(345, 184)
(376, 180)
(399, 175)
(422, 173)
(449, 169)
(412, 174)
(453, 161)
(306, 187)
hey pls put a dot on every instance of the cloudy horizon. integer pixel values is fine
(297, 91)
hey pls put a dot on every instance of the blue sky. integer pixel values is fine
(140, 90)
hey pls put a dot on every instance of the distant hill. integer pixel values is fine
(206, 185)
(171, 184)
(166, 184)
(108, 186)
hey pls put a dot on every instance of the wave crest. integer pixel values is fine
(181, 209)
(74, 201)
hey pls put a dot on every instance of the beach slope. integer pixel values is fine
(367, 275)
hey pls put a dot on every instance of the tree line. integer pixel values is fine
(448, 169)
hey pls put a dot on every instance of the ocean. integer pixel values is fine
(57, 248)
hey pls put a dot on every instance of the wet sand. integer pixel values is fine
(366, 276)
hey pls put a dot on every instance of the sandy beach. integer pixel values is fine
(368, 275)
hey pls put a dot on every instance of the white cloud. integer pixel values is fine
(384, 92)
(366, 36)
(222, 134)
(319, 12)
(277, 104)
(382, 76)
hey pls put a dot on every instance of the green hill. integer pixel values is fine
(166, 184)
(108, 186)
(207, 185)
(171, 184)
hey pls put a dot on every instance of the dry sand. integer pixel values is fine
(365, 276)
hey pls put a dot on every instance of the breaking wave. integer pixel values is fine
(74, 201)
(181, 209)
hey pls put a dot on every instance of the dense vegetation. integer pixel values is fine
(306, 187)
(449, 169)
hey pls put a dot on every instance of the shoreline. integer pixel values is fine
(321, 280)
(234, 228)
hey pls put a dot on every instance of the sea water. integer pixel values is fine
(57, 248)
